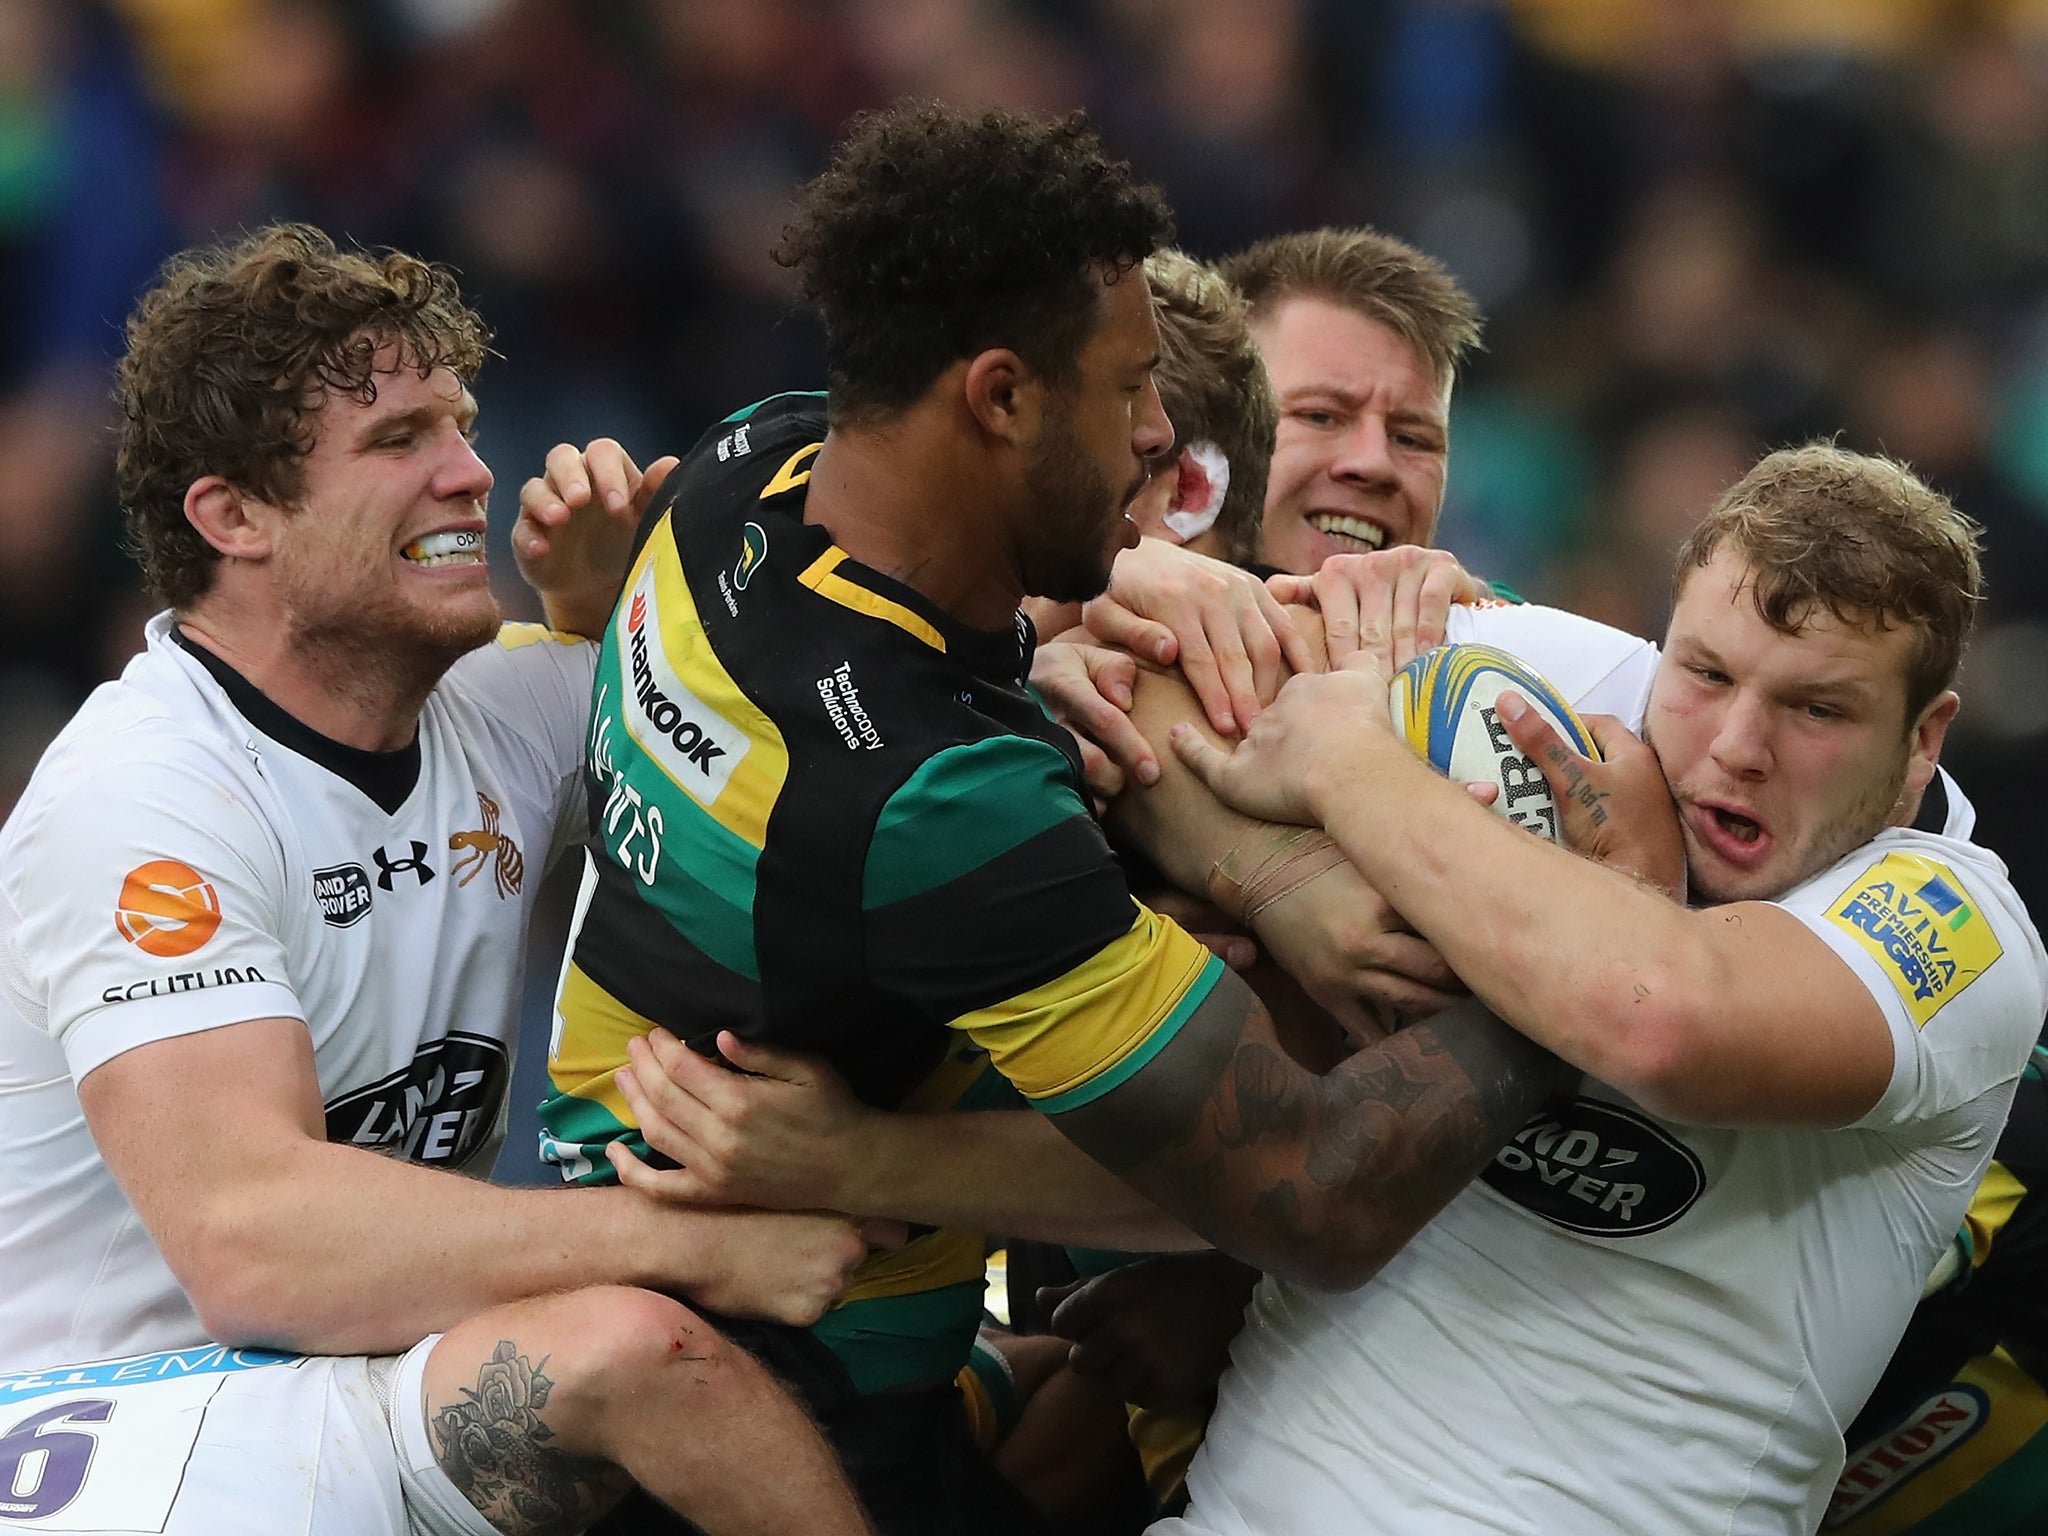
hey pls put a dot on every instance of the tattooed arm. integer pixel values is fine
(1317, 1179)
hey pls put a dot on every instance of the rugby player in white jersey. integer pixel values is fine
(1671, 1289)
(262, 911)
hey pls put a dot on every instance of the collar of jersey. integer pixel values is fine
(386, 777)
(999, 655)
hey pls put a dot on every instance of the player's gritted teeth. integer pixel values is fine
(1353, 534)
(449, 546)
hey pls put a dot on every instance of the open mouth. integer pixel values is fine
(451, 546)
(1354, 532)
(1743, 829)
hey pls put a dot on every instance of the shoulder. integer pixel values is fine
(524, 671)
(1934, 925)
(754, 448)
(126, 747)
(1593, 665)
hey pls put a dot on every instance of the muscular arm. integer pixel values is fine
(1333, 934)
(1007, 1172)
(1320, 1179)
(280, 1237)
(786, 1133)
(1732, 1015)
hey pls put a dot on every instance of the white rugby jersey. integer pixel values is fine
(1598, 669)
(1629, 1325)
(187, 856)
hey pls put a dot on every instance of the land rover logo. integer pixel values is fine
(1595, 1167)
(343, 892)
(439, 1108)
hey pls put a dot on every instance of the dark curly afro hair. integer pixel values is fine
(936, 234)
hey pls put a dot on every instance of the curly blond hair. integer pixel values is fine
(228, 358)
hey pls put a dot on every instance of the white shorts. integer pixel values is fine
(221, 1442)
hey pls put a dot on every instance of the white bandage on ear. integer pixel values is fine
(1190, 523)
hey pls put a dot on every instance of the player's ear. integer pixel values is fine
(1005, 396)
(231, 522)
(1923, 748)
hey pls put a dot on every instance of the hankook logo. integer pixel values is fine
(1594, 1167)
(695, 745)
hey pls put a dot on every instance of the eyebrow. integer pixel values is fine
(1354, 400)
(418, 417)
(1836, 690)
(1827, 689)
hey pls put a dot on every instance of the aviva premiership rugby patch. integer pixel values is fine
(1910, 913)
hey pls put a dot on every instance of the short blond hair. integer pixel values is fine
(1384, 279)
(1213, 385)
(1859, 535)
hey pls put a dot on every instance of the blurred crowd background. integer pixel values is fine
(1699, 228)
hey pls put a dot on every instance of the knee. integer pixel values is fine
(619, 1342)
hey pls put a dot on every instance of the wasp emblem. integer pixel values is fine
(488, 845)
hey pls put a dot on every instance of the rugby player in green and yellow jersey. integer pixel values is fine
(832, 818)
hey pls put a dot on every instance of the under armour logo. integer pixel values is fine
(416, 865)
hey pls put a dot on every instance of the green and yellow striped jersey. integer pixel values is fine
(829, 817)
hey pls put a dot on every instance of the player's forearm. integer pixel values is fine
(1176, 823)
(337, 1250)
(1007, 1172)
(1589, 963)
(1320, 1179)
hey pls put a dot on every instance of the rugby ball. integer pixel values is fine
(1443, 706)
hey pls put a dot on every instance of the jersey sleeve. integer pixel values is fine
(535, 682)
(148, 899)
(1933, 930)
(1600, 670)
(992, 901)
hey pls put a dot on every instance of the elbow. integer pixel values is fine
(1350, 1253)
(241, 1314)
(243, 1296)
(1654, 1042)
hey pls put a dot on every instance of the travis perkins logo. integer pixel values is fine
(1594, 1167)
(664, 714)
(753, 550)
(439, 1108)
